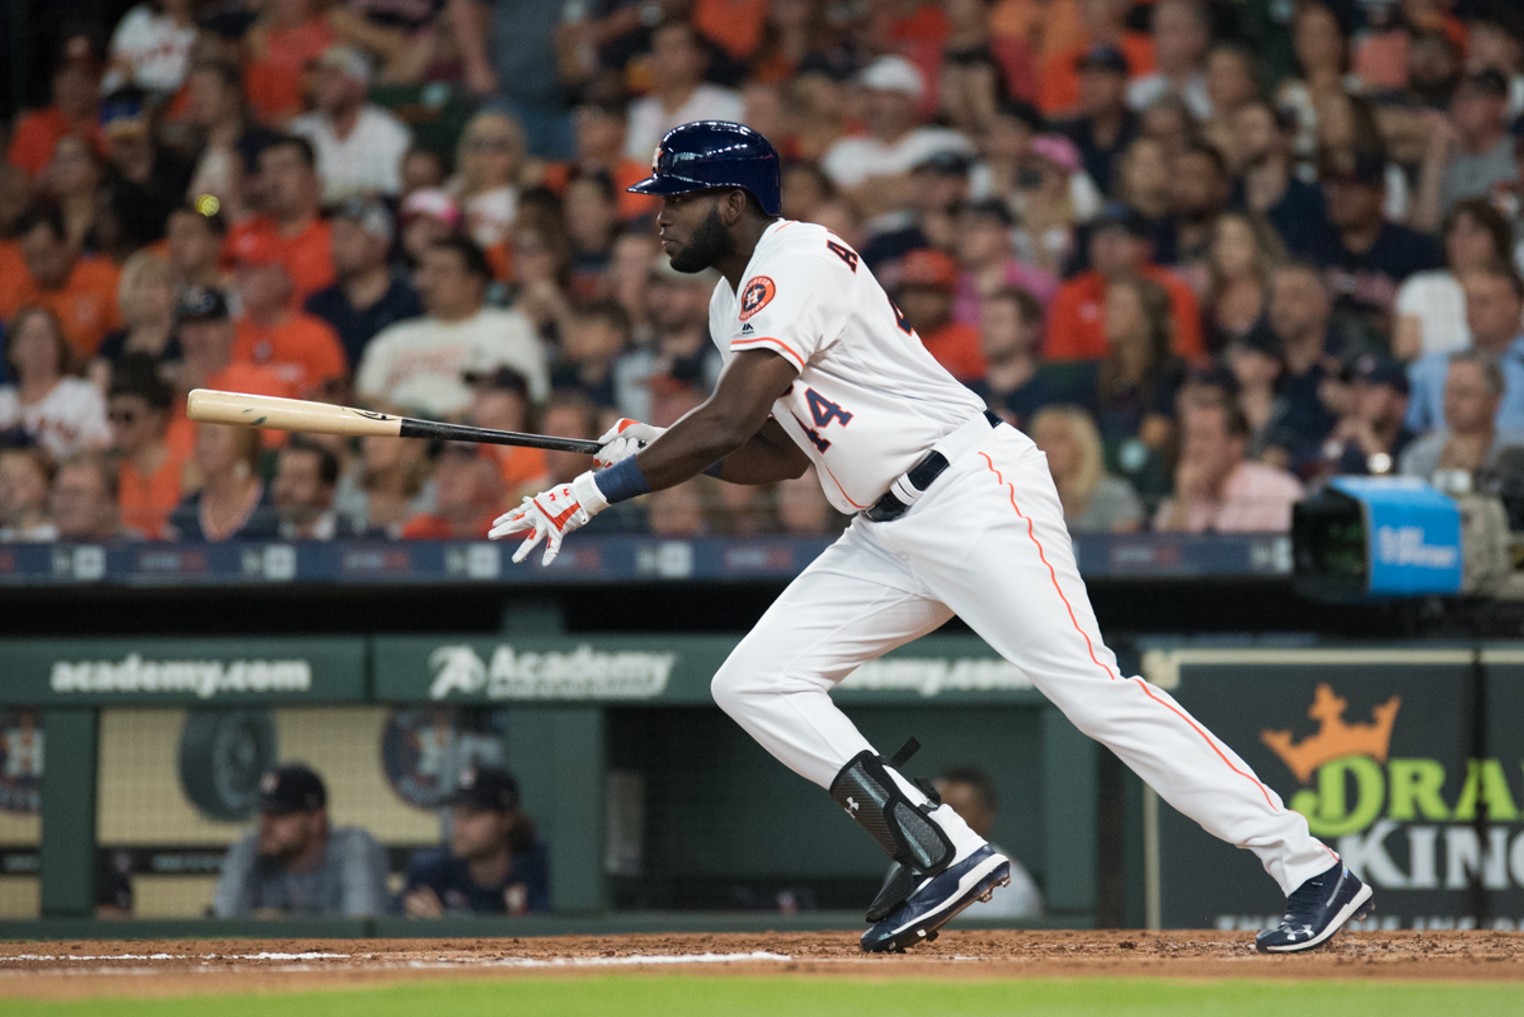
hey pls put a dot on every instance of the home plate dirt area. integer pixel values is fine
(80, 969)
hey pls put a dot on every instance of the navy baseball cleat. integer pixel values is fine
(938, 899)
(1316, 910)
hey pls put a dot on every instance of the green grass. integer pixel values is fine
(815, 996)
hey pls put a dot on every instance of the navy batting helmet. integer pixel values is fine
(715, 153)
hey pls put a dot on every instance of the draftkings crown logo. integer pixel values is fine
(1335, 737)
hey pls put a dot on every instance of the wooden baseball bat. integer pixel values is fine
(216, 407)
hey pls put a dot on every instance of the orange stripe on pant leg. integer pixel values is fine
(1053, 575)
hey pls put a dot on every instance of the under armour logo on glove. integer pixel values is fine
(623, 440)
(550, 516)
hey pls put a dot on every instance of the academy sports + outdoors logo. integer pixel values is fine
(204, 679)
(582, 673)
(756, 294)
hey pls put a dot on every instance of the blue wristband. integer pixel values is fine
(622, 481)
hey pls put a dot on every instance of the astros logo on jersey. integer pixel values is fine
(756, 294)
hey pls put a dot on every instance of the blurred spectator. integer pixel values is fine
(296, 863)
(508, 54)
(1016, 382)
(1431, 308)
(1494, 302)
(630, 259)
(489, 171)
(1199, 192)
(151, 46)
(146, 297)
(1118, 250)
(1231, 83)
(1094, 501)
(302, 491)
(290, 200)
(207, 340)
(939, 184)
(1495, 41)
(359, 146)
(536, 262)
(84, 500)
(1470, 436)
(417, 364)
(873, 169)
(75, 93)
(1001, 150)
(368, 294)
(468, 495)
(1470, 152)
(594, 336)
(1267, 185)
(301, 349)
(977, 69)
(1104, 23)
(1182, 31)
(500, 400)
(494, 865)
(75, 181)
(149, 471)
(1364, 255)
(386, 486)
(1254, 359)
(422, 167)
(1106, 125)
(1144, 185)
(232, 503)
(428, 216)
(983, 230)
(679, 354)
(289, 37)
(802, 506)
(600, 125)
(146, 180)
(26, 475)
(1170, 121)
(224, 137)
(81, 291)
(678, 93)
(1136, 381)
(1312, 353)
(60, 413)
(1370, 436)
(927, 281)
(1349, 122)
(736, 510)
(401, 36)
(195, 242)
(971, 793)
(1322, 56)
(1243, 253)
(591, 215)
(1218, 490)
(1045, 207)
(678, 512)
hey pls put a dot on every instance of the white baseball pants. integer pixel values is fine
(987, 542)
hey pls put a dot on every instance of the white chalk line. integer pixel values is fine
(373, 962)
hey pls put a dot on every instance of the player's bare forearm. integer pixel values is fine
(770, 456)
(730, 420)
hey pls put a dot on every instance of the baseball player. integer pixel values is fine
(955, 513)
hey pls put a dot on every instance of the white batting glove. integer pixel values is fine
(623, 440)
(550, 516)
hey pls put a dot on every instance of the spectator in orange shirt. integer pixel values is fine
(206, 344)
(80, 290)
(500, 399)
(928, 279)
(290, 202)
(1118, 250)
(600, 131)
(288, 38)
(468, 494)
(76, 91)
(149, 471)
(1105, 25)
(302, 348)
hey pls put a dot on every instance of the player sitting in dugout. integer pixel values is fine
(494, 865)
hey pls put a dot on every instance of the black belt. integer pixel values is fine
(920, 475)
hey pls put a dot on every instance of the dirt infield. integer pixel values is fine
(75, 970)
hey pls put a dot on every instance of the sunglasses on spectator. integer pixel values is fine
(123, 416)
(490, 145)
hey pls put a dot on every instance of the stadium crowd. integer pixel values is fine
(1206, 252)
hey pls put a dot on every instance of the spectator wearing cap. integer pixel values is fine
(1370, 436)
(601, 126)
(1104, 125)
(359, 146)
(75, 92)
(1044, 203)
(195, 238)
(60, 412)
(296, 863)
(428, 215)
(207, 341)
(494, 864)
(1119, 249)
(873, 169)
(80, 289)
(150, 47)
(290, 206)
(500, 400)
(1182, 32)
(1470, 437)
(1364, 255)
(299, 347)
(468, 495)
(1105, 23)
(1217, 488)
(1470, 152)
(988, 259)
(939, 184)
(368, 294)
(928, 278)
(145, 180)
(679, 94)
(417, 364)
(149, 470)
(1494, 302)
(1431, 307)
(1265, 180)
(285, 40)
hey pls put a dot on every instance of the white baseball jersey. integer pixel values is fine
(869, 400)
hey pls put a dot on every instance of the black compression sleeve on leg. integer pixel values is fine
(869, 794)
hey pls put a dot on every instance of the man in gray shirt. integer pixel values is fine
(294, 863)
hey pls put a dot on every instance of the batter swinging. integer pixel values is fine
(955, 514)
